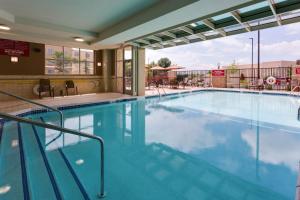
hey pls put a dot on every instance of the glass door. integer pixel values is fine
(128, 78)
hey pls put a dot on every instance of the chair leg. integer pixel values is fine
(67, 92)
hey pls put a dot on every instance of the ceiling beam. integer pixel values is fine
(273, 8)
(201, 36)
(209, 24)
(186, 29)
(169, 34)
(159, 45)
(143, 41)
(185, 40)
(133, 44)
(171, 43)
(238, 18)
(153, 37)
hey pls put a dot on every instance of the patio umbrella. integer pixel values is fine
(174, 67)
(157, 68)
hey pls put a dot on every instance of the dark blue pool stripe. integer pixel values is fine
(23, 165)
(78, 182)
(47, 165)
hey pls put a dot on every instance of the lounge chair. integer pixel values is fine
(70, 85)
(295, 85)
(258, 84)
(45, 86)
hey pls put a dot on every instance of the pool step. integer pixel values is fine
(29, 171)
(41, 182)
(66, 179)
(11, 165)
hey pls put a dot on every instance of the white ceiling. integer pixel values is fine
(102, 23)
(92, 15)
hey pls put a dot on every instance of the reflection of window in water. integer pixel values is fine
(83, 123)
(127, 138)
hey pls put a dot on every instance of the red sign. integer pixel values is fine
(298, 70)
(219, 72)
(14, 48)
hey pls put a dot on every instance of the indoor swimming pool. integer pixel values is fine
(202, 145)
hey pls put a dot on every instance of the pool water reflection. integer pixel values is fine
(158, 149)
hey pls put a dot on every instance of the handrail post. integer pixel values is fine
(102, 193)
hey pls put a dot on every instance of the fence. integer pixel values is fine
(241, 78)
(235, 78)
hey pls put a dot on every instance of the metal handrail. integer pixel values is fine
(36, 103)
(65, 130)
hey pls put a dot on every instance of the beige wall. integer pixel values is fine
(23, 85)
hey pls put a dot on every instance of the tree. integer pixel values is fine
(59, 61)
(150, 65)
(164, 62)
(233, 68)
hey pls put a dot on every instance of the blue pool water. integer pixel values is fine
(206, 145)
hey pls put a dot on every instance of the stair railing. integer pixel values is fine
(65, 130)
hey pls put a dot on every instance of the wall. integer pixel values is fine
(32, 65)
(219, 82)
(24, 85)
(20, 78)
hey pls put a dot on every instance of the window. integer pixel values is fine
(66, 60)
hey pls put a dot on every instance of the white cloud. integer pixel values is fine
(292, 29)
(280, 49)
(275, 148)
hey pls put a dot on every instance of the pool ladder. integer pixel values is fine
(60, 128)
(298, 117)
(157, 88)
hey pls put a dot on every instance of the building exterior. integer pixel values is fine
(268, 64)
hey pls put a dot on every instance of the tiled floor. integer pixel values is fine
(17, 106)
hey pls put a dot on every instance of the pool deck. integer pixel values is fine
(17, 106)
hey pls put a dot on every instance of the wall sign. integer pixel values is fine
(14, 48)
(298, 70)
(218, 73)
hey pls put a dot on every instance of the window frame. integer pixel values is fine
(64, 63)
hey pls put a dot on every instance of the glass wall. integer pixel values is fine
(66, 60)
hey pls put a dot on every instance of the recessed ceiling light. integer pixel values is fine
(4, 27)
(78, 39)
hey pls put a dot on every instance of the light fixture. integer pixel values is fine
(193, 24)
(4, 27)
(78, 39)
(99, 64)
(14, 59)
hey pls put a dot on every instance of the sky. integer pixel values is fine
(279, 43)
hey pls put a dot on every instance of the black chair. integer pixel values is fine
(45, 86)
(70, 85)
